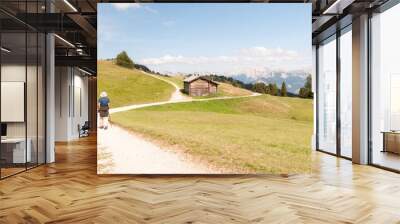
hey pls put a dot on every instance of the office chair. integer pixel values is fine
(84, 130)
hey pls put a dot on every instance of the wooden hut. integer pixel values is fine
(199, 86)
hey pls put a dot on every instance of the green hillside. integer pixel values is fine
(130, 86)
(263, 134)
(178, 80)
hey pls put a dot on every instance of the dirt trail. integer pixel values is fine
(121, 152)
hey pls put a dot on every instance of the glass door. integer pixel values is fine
(14, 155)
(385, 89)
(327, 96)
(346, 93)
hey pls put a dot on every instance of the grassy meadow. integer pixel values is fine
(225, 89)
(263, 134)
(130, 86)
(178, 80)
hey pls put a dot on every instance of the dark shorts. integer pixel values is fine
(103, 111)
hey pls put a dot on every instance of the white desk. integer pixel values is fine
(19, 155)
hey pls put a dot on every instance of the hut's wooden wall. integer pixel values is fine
(201, 87)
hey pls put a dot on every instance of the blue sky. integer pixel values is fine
(202, 38)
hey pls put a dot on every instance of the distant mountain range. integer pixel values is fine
(294, 81)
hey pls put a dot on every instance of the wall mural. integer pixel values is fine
(204, 88)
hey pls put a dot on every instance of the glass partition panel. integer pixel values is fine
(3, 158)
(14, 154)
(22, 88)
(346, 94)
(41, 98)
(327, 96)
(31, 98)
(385, 89)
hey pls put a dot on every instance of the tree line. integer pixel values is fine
(267, 88)
(271, 89)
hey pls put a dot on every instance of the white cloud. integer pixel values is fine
(263, 52)
(170, 59)
(151, 10)
(253, 61)
(125, 6)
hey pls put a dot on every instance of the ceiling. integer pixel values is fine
(75, 22)
(332, 15)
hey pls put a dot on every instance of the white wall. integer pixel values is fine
(70, 83)
(12, 73)
(33, 126)
(62, 81)
(80, 97)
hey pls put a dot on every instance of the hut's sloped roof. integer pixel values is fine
(195, 77)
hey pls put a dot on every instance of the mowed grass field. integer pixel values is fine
(225, 89)
(178, 80)
(130, 86)
(263, 134)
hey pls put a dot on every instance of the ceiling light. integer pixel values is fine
(5, 50)
(86, 72)
(338, 6)
(70, 5)
(64, 40)
(79, 51)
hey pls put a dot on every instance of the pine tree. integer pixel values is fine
(308, 82)
(283, 89)
(124, 60)
(273, 89)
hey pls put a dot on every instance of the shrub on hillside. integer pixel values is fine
(124, 60)
(143, 68)
(260, 87)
